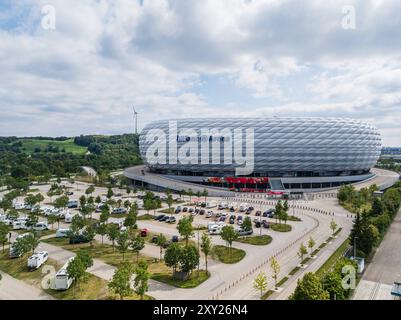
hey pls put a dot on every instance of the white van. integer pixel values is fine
(62, 233)
(223, 205)
(68, 217)
(243, 207)
(62, 281)
(211, 225)
(37, 259)
(216, 229)
(211, 204)
(41, 226)
(19, 225)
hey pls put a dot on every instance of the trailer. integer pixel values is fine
(37, 260)
(62, 280)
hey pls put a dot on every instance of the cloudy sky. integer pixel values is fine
(187, 58)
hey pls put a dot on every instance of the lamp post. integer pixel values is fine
(198, 248)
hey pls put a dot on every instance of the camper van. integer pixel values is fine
(62, 233)
(19, 224)
(18, 205)
(62, 281)
(36, 260)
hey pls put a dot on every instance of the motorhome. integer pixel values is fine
(62, 280)
(36, 260)
(62, 232)
(19, 225)
(18, 205)
(212, 224)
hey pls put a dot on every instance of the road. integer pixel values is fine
(14, 289)
(385, 267)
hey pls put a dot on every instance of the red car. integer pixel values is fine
(144, 232)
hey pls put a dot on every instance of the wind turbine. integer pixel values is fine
(136, 120)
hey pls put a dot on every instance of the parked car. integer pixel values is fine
(164, 218)
(202, 212)
(178, 209)
(222, 219)
(242, 232)
(265, 224)
(240, 222)
(257, 224)
(154, 239)
(232, 221)
(239, 218)
(258, 213)
(171, 220)
(80, 238)
(174, 238)
(119, 211)
(37, 260)
(232, 217)
(197, 211)
(72, 204)
(185, 209)
(203, 204)
(70, 193)
(159, 217)
(190, 210)
(209, 214)
(144, 232)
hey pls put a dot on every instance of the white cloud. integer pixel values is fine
(105, 56)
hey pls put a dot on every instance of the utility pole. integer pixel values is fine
(136, 120)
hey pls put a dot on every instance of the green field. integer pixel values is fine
(29, 145)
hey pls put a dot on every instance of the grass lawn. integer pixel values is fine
(107, 254)
(18, 269)
(333, 259)
(193, 281)
(291, 218)
(146, 217)
(267, 295)
(256, 240)
(166, 210)
(281, 227)
(29, 145)
(223, 254)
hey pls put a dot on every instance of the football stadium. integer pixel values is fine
(256, 154)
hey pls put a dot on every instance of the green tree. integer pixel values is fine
(302, 252)
(90, 233)
(275, 266)
(90, 190)
(309, 288)
(229, 235)
(4, 230)
(110, 193)
(102, 230)
(141, 280)
(169, 202)
(52, 219)
(172, 256)
(122, 243)
(161, 241)
(32, 220)
(185, 228)
(76, 269)
(61, 202)
(332, 283)
(260, 283)
(189, 258)
(311, 244)
(77, 223)
(206, 246)
(113, 231)
(377, 207)
(137, 243)
(130, 220)
(205, 193)
(247, 224)
(278, 212)
(120, 284)
(333, 226)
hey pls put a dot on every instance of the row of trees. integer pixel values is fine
(371, 225)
